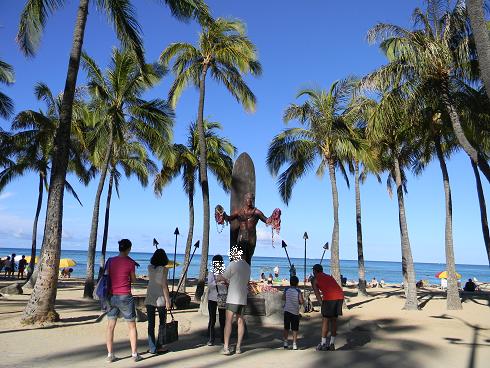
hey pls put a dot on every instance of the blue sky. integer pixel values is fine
(308, 43)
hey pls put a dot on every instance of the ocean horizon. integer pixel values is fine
(389, 271)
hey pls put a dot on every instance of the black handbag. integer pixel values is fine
(168, 332)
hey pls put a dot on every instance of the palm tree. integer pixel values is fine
(227, 54)
(6, 77)
(185, 162)
(438, 52)
(326, 136)
(32, 22)
(132, 158)
(31, 147)
(476, 13)
(126, 117)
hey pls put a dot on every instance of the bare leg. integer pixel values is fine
(133, 337)
(228, 323)
(286, 335)
(109, 336)
(295, 336)
(241, 330)
(324, 327)
(334, 326)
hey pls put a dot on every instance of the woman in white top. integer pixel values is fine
(157, 298)
(214, 287)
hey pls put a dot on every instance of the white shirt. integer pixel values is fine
(276, 270)
(212, 293)
(156, 276)
(238, 274)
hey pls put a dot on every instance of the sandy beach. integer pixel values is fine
(373, 332)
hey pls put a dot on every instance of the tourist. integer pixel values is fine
(22, 267)
(217, 292)
(121, 271)
(270, 279)
(276, 272)
(292, 299)
(157, 298)
(7, 264)
(443, 284)
(12, 266)
(262, 277)
(331, 297)
(292, 271)
(237, 276)
(470, 286)
(66, 272)
(374, 283)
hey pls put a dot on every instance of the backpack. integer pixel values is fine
(102, 290)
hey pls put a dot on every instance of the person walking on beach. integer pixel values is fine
(12, 266)
(331, 297)
(22, 267)
(7, 264)
(157, 298)
(217, 292)
(121, 271)
(237, 276)
(293, 298)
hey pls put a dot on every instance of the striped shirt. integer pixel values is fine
(291, 305)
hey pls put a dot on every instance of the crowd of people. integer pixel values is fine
(9, 266)
(227, 298)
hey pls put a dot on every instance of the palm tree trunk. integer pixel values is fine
(41, 304)
(480, 33)
(407, 260)
(203, 179)
(92, 243)
(34, 227)
(334, 257)
(190, 234)
(106, 225)
(474, 155)
(361, 287)
(483, 210)
(452, 300)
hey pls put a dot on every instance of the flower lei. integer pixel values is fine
(219, 216)
(275, 222)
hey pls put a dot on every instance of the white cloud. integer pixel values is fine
(6, 195)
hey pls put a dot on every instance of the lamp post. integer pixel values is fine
(176, 233)
(284, 245)
(325, 248)
(305, 237)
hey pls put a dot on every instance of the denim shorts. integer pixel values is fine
(122, 305)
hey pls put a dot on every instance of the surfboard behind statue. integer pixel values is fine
(242, 182)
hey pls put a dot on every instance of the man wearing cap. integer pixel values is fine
(331, 296)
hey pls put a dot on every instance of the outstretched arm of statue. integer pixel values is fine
(261, 216)
(231, 217)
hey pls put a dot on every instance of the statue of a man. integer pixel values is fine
(247, 216)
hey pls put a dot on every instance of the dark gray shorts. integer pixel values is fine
(235, 308)
(332, 308)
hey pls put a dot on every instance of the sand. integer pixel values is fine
(374, 332)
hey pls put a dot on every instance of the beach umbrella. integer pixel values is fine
(443, 275)
(28, 259)
(170, 264)
(67, 262)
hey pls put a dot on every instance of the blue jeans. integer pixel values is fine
(123, 304)
(162, 314)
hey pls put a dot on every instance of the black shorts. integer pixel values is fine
(235, 308)
(291, 321)
(332, 308)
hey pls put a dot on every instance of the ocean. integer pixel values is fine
(390, 272)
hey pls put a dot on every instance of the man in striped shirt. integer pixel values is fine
(331, 296)
(292, 299)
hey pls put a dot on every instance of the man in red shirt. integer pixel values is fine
(121, 271)
(331, 297)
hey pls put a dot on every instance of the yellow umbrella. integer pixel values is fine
(170, 264)
(443, 275)
(28, 259)
(67, 262)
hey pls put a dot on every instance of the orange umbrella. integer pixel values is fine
(443, 275)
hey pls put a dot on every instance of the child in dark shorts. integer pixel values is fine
(292, 299)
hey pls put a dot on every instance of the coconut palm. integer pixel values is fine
(31, 150)
(436, 52)
(126, 116)
(227, 54)
(32, 22)
(325, 135)
(130, 157)
(185, 162)
(6, 77)
(476, 13)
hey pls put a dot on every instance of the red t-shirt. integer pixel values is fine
(120, 269)
(328, 286)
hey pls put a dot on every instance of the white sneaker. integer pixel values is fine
(110, 358)
(295, 347)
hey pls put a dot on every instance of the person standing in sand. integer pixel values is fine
(157, 298)
(331, 297)
(237, 275)
(121, 271)
(216, 291)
